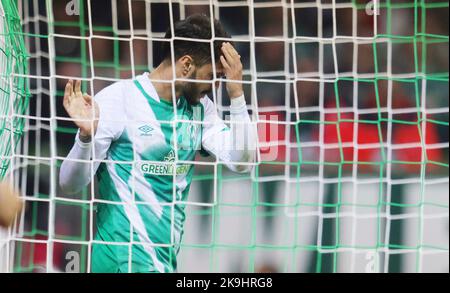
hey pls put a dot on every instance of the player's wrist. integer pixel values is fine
(238, 102)
(236, 94)
(235, 90)
(84, 137)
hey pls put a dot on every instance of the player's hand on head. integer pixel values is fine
(231, 62)
(82, 108)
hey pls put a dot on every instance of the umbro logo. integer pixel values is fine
(146, 130)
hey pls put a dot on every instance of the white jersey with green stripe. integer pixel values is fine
(143, 154)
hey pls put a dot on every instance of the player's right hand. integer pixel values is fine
(82, 108)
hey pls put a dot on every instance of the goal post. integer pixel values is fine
(350, 99)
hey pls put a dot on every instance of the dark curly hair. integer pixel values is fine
(196, 26)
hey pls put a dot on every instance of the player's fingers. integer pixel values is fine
(68, 92)
(227, 54)
(224, 63)
(69, 87)
(233, 59)
(87, 98)
(66, 102)
(233, 51)
(78, 88)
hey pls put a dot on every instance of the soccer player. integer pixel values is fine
(139, 146)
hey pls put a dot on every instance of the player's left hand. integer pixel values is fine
(231, 62)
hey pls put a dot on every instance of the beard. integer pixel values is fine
(192, 92)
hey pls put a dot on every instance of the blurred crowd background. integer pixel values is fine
(302, 82)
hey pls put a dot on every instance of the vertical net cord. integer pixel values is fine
(38, 98)
(296, 203)
(86, 196)
(23, 144)
(288, 114)
(174, 123)
(339, 187)
(383, 155)
(389, 141)
(254, 79)
(92, 161)
(355, 131)
(53, 152)
(217, 98)
(423, 119)
(133, 193)
(321, 138)
(26, 139)
(15, 169)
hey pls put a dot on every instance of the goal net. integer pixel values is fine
(13, 98)
(350, 99)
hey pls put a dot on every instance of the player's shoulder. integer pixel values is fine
(116, 93)
(112, 92)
